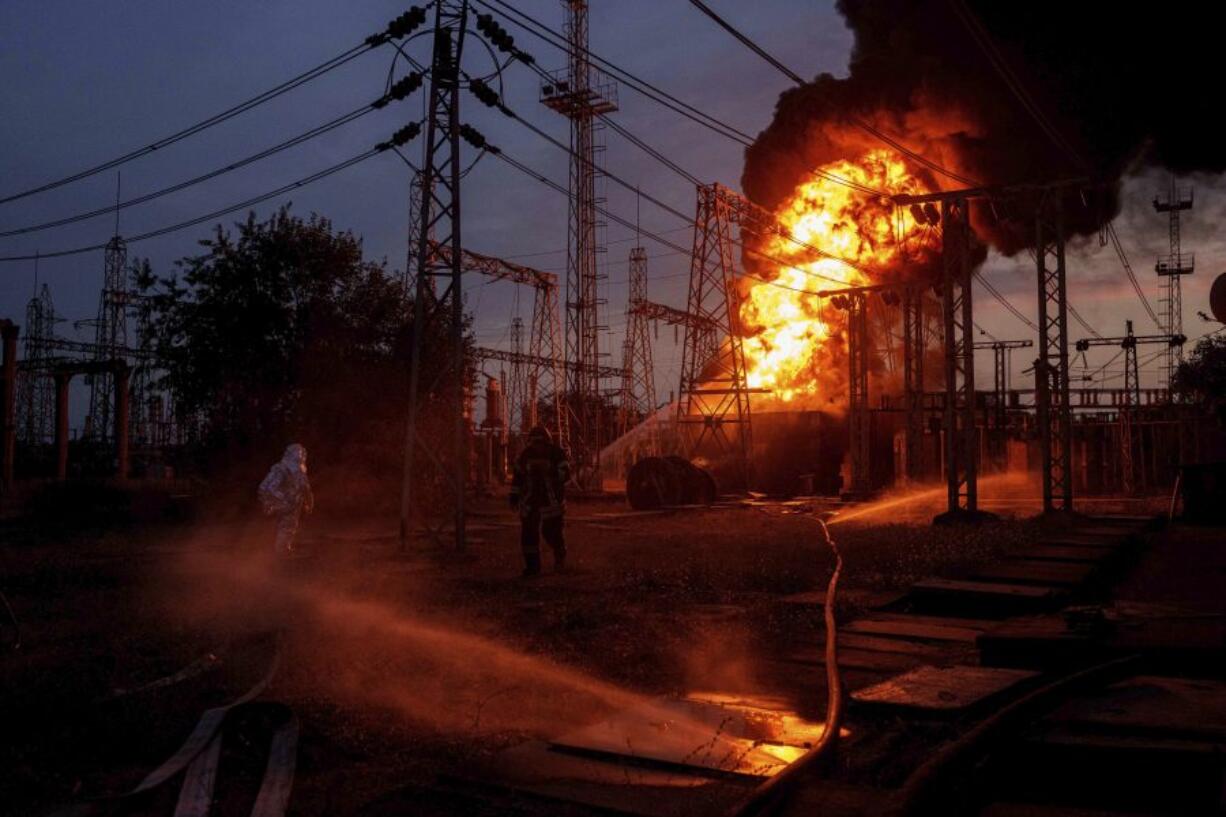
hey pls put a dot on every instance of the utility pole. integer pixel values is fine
(581, 95)
(638, 389)
(1172, 268)
(440, 216)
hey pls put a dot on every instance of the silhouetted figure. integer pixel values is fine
(285, 493)
(538, 491)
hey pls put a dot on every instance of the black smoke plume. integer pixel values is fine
(1122, 85)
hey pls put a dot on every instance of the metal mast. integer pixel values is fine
(110, 336)
(1051, 369)
(1172, 268)
(581, 95)
(961, 436)
(913, 349)
(36, 391)
(638, 388)
(518, 411)
(443, 395)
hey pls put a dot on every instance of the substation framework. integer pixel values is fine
(1053, 408)
(1131, 395)
(638, 384)
(713, 396)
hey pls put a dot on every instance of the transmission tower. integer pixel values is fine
(36, 391)
(518, 411)
(1172, 268)
(438, 402)
(110, 336)
(409, 280)
(638, 390)
(714, 392)
(581, 94)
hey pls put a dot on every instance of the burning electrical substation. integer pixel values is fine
(568, 408)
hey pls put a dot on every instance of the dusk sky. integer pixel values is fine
(84, 82)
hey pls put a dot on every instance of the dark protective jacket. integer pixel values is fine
(539, 482)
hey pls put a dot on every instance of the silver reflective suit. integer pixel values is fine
(285, 493)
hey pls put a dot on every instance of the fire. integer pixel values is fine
(795, 342)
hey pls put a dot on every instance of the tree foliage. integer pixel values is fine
(1202, 377)
(281, 332)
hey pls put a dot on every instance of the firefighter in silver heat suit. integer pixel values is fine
(538, 491)
(285, 493)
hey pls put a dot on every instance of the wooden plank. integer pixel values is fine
(1025, 571)
(908, 629)
(942, 689)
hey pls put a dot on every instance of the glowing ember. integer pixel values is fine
(795, 344)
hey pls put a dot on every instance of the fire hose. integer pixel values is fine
(918, 793)
(823, 751)
(200, 754)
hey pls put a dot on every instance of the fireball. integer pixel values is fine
(795, 341)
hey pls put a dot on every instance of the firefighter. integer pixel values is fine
(538, 492)
(285, 493)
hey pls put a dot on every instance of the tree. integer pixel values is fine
(1202, 377)
(283, 332)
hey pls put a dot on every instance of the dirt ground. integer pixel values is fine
(402, 666)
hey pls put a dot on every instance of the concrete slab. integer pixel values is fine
(942, 689)
(684, 734)
(1151, 705)
(1027, 571)
(1063, 553)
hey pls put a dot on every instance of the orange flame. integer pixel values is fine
(795, 341)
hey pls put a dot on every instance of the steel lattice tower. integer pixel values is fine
(638, 388)
(36, 390)
(518, 411)
(1051, 370)
(443, 397)
(110, 336)
(1172, 268)
(961, 436)
(581, 95)
(714, 392)
(913, 349)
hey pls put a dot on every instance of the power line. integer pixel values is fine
(178, 136)
(787, 234)
(280, 191)
(1136, 285)
(641, 86)
(255, 157)
(995, 293)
